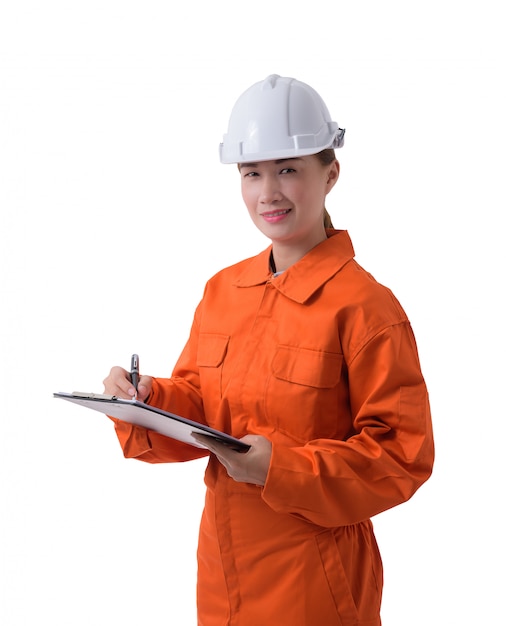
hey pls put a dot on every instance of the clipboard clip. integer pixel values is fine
(93, 396)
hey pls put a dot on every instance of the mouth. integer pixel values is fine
(274, 216)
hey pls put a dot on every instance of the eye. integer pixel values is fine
(250, 174)
(287, 170)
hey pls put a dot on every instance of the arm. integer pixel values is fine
(179, 394)
(387, 457)
(138, 442)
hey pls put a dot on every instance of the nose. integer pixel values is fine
(270, 190)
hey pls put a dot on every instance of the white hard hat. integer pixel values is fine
(278, 118)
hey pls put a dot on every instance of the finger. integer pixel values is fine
(206, 441)
(118, 383)
(223, 453)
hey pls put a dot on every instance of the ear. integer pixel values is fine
(332, 174)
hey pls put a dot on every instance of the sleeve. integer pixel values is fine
(387, 458)
(179, 394)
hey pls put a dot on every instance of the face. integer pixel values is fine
(286, 198)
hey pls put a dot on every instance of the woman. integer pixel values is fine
(303, 355)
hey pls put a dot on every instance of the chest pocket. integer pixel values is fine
(211, 353)
(302, 395)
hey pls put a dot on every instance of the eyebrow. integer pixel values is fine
(277, 162)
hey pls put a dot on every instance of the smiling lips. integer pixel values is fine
(275, 216)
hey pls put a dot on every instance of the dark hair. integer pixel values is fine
(326, 157)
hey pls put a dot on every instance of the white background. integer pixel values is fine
(114, 212)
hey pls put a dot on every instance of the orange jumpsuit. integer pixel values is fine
(322, 361)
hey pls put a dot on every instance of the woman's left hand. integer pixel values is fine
(244, 467)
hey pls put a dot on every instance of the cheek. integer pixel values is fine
(315, 194)
(248, 197)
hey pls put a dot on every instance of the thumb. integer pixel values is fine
(144, 387)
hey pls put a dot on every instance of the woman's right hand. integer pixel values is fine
(118, 384)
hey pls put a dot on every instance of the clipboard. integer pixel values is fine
(152, 418)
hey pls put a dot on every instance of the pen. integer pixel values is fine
(134, 370)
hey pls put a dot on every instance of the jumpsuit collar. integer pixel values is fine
(303, 278)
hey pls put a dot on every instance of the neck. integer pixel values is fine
(285, 255)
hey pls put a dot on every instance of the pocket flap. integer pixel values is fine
(307, 367)
(212, 349)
